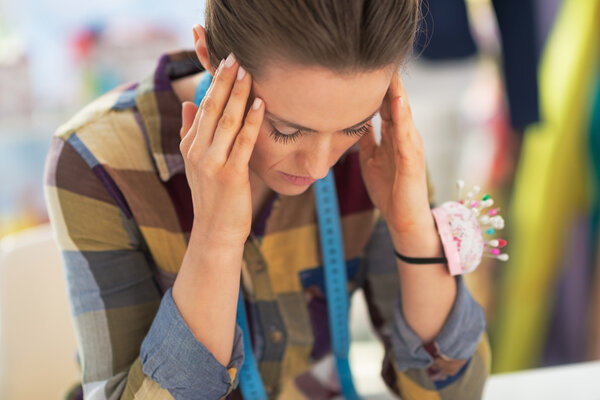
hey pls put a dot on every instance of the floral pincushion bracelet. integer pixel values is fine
(462, 225)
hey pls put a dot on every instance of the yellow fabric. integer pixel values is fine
(550, 187)
(92, 112)
(410, 390)
(81, 235)
(281, 248)
(167, 248)
(124, 145)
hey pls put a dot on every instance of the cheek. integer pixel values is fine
(266, 151)
(352, 140)
(344, 144)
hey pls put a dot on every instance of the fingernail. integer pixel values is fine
(220, 66)
(256, 104)
(241, 73)
(230, 60)
(401, 101)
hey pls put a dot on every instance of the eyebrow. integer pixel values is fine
(303, 128)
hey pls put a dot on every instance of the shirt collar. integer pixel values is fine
(160, 110)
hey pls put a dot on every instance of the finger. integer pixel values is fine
(385, 110)
(367, 145)
(194, 128)
(246, 138)
(232, 117)
(397, 91)
(213, 103)
(398, 121)
(403, 123)
(405, 137)
(189, 112)
(389, 129)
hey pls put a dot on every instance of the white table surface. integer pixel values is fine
(567, 382)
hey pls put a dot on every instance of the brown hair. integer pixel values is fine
(342, 35)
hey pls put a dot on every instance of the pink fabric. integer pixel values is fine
(461, 236)
(448, 243)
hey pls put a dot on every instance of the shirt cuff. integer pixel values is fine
(173, 357)
(458, 338)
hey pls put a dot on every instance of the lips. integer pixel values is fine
(297, 180)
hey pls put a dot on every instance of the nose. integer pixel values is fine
(317, 158)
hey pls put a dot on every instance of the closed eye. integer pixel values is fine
(285, 138)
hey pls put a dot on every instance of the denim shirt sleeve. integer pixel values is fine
(458, 338)
(461, 332)
(173, 357)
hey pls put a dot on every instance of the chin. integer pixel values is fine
(284, 188)
(287, 189)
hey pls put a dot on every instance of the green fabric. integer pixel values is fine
(550, 187)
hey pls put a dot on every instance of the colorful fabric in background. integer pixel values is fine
(593, 338)
(445, 35)
(565, 342)
(551, 190)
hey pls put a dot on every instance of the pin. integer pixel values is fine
(484, 204)
(460, 184)
(489, 222)
(497, 222)
(494, 242)
(500, 257)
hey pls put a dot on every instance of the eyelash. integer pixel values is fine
(285, 138)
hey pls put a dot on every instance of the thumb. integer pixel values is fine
(367, 145)
(188, 113)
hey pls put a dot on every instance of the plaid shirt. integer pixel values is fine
(121, 208)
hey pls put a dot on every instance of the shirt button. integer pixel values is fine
(276, 337)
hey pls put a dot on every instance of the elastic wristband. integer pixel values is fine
(416, 260)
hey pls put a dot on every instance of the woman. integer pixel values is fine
(163, 208)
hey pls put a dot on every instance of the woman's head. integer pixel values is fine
(340, 35)
(318, 64)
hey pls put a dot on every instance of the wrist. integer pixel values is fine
(422, 241)
(205, 257)
(213, 239)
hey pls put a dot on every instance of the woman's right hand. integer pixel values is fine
(216, 145)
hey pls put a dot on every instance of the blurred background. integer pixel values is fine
(505, 93)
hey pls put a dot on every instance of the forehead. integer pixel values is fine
(319, 98)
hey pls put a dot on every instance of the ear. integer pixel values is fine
(200, 47)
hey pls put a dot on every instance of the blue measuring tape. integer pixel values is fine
(332, 251)
(251, 383)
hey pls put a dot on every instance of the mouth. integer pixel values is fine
(297, 180)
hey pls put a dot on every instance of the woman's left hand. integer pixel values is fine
(394, 170)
